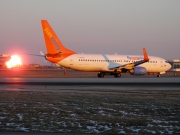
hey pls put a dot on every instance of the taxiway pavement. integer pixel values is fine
(57, 84)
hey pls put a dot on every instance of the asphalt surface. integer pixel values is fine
(60, 84)
(104, 81)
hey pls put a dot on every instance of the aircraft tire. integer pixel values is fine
(100, 75)
(117, 75)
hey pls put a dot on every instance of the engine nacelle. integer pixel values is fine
(139, 71)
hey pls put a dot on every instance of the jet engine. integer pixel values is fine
(138, 71)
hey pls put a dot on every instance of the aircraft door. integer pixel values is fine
(161, 63)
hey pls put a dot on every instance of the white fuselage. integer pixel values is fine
(104, 63)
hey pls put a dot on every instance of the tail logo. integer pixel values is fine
(46, 30)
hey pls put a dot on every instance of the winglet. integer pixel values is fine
(145, 54)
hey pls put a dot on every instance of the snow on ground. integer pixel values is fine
(88, 115)
(20, 116)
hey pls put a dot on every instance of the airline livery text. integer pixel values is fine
(52, 38)
(134, 58)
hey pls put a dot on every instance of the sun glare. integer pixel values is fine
(15, 61)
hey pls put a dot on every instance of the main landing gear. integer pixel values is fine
(100, 75)
(117, 75)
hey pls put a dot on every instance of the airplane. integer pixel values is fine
(58, 54)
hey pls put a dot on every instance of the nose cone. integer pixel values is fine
(168, 66)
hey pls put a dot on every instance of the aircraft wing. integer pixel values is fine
(132, 65)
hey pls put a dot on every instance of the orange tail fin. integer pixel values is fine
(145, 54)
(53, 44)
